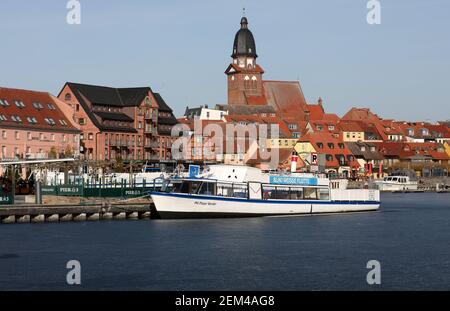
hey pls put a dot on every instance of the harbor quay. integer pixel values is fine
(33, 213)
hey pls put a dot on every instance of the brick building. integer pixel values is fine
(127, 123)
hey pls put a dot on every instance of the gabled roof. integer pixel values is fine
(161, 103)
(286, 97)
(316, 112)
(49, 109)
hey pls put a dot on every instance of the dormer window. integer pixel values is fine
(50, 121)
(32, 120)
(3, 117)
(19, 104)
(38, 105)
(4, 103)
(331, 145)
(320, 145)
(16, 119)
(51, 106)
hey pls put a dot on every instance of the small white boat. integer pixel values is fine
(233, 191)
(397, 183)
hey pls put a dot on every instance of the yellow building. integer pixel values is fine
(282, 143)
(447, 148)
(351, 132)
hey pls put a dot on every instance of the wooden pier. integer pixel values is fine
(73, 212)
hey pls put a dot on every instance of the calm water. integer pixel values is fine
(410, 236)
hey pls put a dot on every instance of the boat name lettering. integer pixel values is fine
(288, 180)
(204, 203)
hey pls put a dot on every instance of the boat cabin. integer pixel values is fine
(249, 190)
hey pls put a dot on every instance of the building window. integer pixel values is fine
(29, 136)
(292, 126)
(82, 121)
(38, 105)
(17, 135)
(4, 134)
(319, 127)
(90, 136)
(19, 104)
(68, 96)
(77, 107)
(41, 136)
(52, 137)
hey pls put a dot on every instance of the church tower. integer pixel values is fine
(244, 75)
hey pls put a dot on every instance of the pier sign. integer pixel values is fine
(289, 180)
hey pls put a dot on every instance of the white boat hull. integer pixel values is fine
(176, 205)
(396, 186)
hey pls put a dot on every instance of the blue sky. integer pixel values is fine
(400, 69)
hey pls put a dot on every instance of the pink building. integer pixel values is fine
(33, 125)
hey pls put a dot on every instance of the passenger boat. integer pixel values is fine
(237, 191)
(397, 183)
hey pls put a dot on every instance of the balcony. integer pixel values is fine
(151, 130)
(153, 144)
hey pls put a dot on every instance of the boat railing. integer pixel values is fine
(355, 195)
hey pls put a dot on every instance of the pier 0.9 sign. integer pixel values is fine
(288, 180)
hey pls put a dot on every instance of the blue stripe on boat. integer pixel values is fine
(218, 198)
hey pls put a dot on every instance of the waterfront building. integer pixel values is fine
(34, 125)
(337, 158)
(125, 123)
(205, 113)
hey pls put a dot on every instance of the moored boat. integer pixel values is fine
(232, 191)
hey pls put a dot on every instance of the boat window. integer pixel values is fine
(232, 190)
(282, 193)
(296, 194)
(208, 188)
(225, 190)
(324, 194)
(311, 193)
(187, 187)
(269, 192)
(395, 179)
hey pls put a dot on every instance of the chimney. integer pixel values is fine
(320, 101)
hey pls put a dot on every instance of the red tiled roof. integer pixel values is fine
(350, 126)
(286, 97)
(48, 109)
(256, 100)
(405, 150)
(316, 112)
